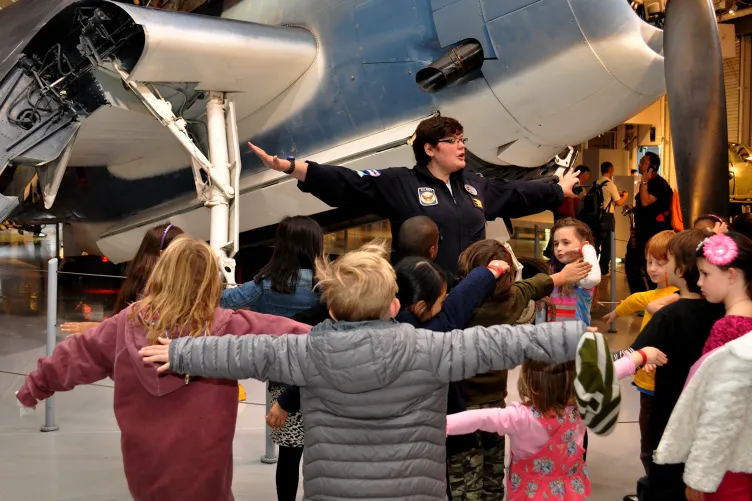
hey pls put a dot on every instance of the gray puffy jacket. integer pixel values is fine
(374, 393)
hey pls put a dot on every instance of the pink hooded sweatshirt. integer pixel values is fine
(176, 438)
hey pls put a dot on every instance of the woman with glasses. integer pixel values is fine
(458, 202)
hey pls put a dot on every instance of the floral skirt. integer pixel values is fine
(292, 434)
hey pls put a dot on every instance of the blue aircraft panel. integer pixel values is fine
(380, 45)
(496, 8)
(437, 4)
(461, 20)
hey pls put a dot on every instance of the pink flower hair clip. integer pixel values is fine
(719, 250)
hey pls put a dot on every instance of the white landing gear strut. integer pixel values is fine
(216, 179)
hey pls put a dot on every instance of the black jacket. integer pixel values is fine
(400, 193)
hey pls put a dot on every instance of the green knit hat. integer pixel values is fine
(597, 387)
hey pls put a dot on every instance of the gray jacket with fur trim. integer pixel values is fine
(374, 393)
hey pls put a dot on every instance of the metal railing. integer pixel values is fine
(50, 424)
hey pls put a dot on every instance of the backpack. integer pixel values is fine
(593, 211)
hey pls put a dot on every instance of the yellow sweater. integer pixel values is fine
(634, 303)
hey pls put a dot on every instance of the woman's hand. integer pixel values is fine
(693, 495)
(273, 162)
(277, 416)
(568, 181)
(158, 354)
(610, 317)
(496, 265)
(76, 328)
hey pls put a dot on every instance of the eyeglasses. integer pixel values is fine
(453, 140)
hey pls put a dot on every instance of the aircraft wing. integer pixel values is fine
(74, 77)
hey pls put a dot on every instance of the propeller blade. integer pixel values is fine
(697, 107)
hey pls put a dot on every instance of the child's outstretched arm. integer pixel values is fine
(82, 359)
(590, 256)
(460, 304)
(262, 357)
(504, 421)
(459, 355)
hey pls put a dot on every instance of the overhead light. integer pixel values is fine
(732, 10)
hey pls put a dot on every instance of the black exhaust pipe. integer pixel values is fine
(455, 64)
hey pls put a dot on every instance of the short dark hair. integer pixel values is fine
(683, 247)
(655, 160)
(419, 279)
(416, 236)
(605, 167)
(583, 169)
(431, 131)
(743, 224)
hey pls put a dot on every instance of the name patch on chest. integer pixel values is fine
(427, 196)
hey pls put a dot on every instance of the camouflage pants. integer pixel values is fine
(478, 475)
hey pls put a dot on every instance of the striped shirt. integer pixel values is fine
(573, 306)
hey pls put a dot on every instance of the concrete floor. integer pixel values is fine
(82, 460)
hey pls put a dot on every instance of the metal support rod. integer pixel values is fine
(612, 327)
(536, 242)
(49, 404)
(218, 203)
(270, 453)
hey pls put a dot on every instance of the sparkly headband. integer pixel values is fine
(719, 250)
(164, 235)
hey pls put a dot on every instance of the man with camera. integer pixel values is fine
(652, 214)
(612, 198)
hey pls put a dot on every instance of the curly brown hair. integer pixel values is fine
(480, 254)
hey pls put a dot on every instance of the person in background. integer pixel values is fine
(480, 471)
(743, 224)
(139, 270)
(652, 214)
(612, 198)
(680, 330)
(284, 287)
(176, 432)
(373, 390)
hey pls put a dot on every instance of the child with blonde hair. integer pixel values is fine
(176, 431)
(373, 391)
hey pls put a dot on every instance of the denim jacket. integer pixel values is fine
(262, 299)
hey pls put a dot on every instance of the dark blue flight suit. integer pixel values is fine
(400, 193)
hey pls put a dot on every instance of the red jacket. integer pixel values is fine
(176, 438)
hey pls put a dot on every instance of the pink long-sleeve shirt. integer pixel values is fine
(527, 435)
